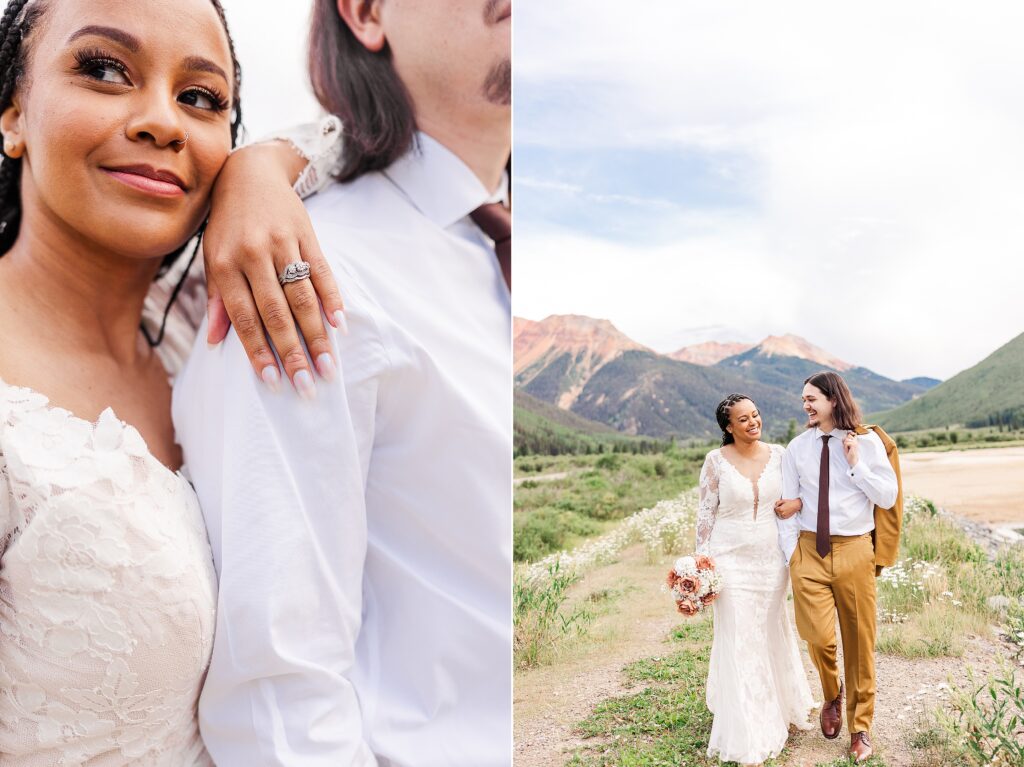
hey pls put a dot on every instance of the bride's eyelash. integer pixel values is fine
(90, 57)
(218, 99)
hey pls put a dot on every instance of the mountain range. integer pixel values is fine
(591, 368)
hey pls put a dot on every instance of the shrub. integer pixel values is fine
(538, 533)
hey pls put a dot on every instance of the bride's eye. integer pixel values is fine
(200, 98)
(102, 68)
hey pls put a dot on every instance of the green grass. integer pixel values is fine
(666, 723)
(939, 612)
(599, 491)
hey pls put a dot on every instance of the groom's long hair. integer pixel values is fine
(363, 89)
(845, 410)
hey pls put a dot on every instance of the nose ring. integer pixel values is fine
(181, 141)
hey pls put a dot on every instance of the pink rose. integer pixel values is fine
(705, 562)
(689, 584)
(687, 607)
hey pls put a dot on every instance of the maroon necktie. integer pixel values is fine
(496, 222)
(822, 542)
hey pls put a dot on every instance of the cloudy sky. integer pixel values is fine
(270, 38)
(850, 173)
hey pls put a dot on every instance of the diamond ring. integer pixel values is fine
(294, 272)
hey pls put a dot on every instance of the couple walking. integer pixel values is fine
(338, 546)
(827, 508)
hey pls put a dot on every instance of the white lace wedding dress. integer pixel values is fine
(107, 594)
(756, 685)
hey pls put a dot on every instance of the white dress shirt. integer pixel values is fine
(852, 492)
(363, 539)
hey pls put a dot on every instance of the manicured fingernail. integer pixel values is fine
(304, 384)
(272, 378)
(340, 322)
(325, 366)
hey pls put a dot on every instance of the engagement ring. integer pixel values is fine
(294, 273)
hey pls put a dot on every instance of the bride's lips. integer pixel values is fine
(161, 183)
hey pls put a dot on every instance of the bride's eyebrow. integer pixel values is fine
(199, 64)
(119, 36)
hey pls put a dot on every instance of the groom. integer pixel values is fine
(841, 474)
(362, 535)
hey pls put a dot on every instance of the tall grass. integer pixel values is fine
(541, 616)
(987, 720)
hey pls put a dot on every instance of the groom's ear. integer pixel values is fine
(363, 17)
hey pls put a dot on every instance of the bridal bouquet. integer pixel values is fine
(694, 583)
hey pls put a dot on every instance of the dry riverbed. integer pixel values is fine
(984, 485)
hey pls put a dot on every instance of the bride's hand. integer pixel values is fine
(257, 227)
(785, 509)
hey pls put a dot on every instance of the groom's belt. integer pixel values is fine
(836, 538)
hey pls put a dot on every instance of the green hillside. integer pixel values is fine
(989, 393)
(541, 428)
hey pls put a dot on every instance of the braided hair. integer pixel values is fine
(722, 413)
(19, 19)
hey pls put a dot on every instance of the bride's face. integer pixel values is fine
(112, 90)
(745, 421)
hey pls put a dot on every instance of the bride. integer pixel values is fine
(756, 684)
(117, 119)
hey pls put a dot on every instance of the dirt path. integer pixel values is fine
(541, 477)
(984, 485)
(550, 700)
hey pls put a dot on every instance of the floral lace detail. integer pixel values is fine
(707, 508)
(107, 594)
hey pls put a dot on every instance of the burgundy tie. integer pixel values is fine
(496, 222)
(823, 542)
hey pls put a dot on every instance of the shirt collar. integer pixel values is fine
(838, 433)
(439, 184)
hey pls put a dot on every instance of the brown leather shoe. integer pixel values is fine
(860, 746)
(831, 717)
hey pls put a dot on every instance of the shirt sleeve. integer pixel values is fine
(873, 474)
(282, 483)
(790, 474)
(707, 510)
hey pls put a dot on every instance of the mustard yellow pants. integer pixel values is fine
(842, 583)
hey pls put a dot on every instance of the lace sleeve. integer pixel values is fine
(707, 511)
(320, 145)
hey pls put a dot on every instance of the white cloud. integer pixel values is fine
(886, 223)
